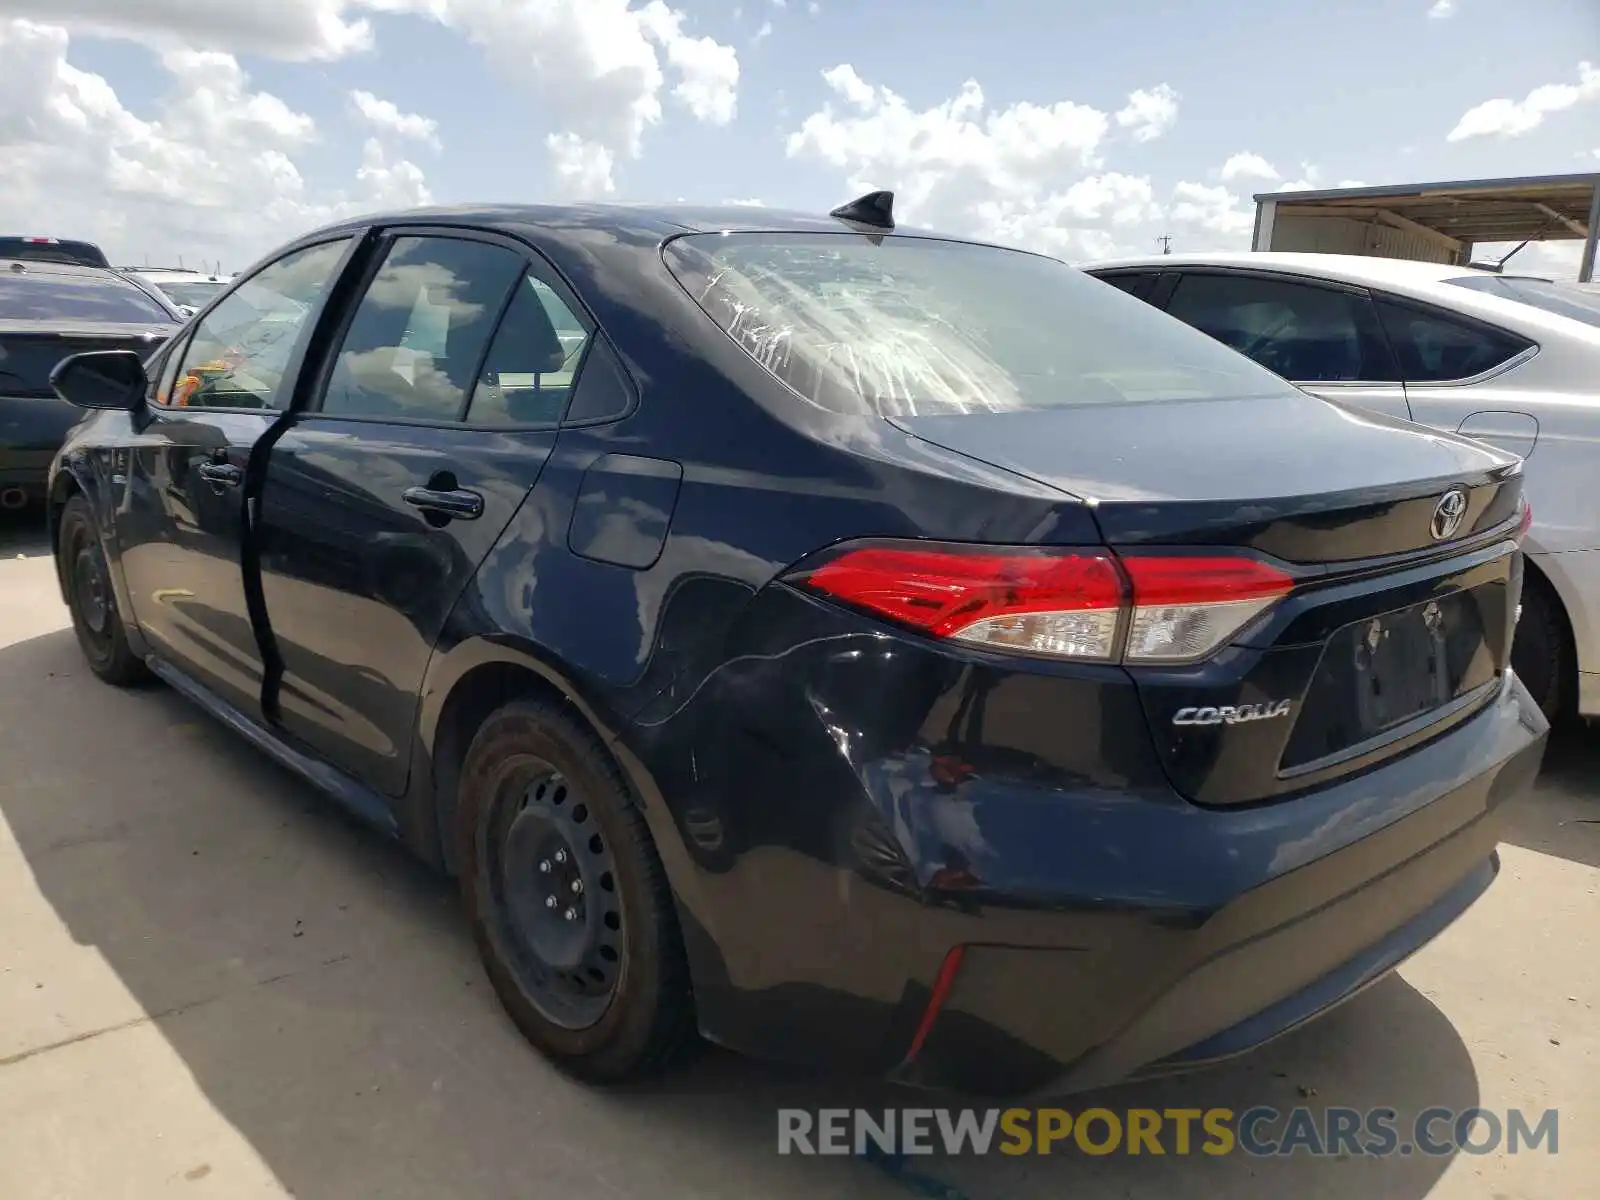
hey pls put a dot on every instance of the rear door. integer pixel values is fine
(435, 414)
(1321, 336)
(181, 521)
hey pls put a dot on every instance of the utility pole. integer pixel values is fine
(1166, 243)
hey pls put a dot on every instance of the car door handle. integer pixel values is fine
(221, 474)
(459, 503)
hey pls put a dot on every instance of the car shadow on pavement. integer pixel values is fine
(23, 533)
(324, 997)
(1562, 817)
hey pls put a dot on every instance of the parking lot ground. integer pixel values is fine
(211, 984)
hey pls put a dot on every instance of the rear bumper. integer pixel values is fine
(835, 843)
(1272, 957)
(31, 431)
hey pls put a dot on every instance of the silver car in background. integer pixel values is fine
(1509, 359)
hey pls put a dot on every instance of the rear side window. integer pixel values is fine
(1434, 348)
(527, 377)
(64, 298)
(917, 326)
(1303, 332)
(1135, 283)
(419, 334)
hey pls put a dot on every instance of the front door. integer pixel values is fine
(437, 411)
(1323, 337)
(181, 521)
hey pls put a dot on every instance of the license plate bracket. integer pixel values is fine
(1401, 665)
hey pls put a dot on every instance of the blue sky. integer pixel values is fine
(218, 127)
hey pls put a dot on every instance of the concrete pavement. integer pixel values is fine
(211, 984)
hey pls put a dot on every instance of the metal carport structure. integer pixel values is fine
(1435, 222)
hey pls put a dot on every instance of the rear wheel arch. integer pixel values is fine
(63, 488)
(472, 698)
(1544, 594)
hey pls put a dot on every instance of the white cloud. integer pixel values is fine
(603, 71)
(210, 172)
(291, 29)
(1246, 165)
(762, 34)
(1149, 112)
(1211, 209)
(950, 155)
(1023, 174)
(391, 184)
(583, 169)
(596, 68)
(386, 117)
(1442, 10)
(752, 203)
(1513, 118)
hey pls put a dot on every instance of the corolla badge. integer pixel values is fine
(1447, 514)
(1233, 714)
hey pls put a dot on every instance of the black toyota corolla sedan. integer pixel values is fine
(853, 644)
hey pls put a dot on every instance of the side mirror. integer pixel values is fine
(101, 379)
(187, 310)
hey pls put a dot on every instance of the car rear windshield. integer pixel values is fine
(913, 326)
(196, 295)
(1560, 298)
(64, 297)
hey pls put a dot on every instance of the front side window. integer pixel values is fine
(240, 353)
(1435, 348)
(1303, 332)
(414, 345)
(915, 326)
(528, 376)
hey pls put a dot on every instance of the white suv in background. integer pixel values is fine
(1509, 359)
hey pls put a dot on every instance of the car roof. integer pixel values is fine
(1355, 268)
(174, 275)
(1402, 277)
(574, 221)
(36, 267)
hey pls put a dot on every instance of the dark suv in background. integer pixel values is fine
(54, 303)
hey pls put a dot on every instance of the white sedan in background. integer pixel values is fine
(189, 290)
(1508, 359)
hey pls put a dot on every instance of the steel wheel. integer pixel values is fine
(553, 888)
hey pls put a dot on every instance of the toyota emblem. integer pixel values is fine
(1447, 514)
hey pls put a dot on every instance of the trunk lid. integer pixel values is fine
(30, 350)
(1399, 625)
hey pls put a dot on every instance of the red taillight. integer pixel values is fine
(1060, 603)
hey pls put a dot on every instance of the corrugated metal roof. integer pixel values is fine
(1535, 208)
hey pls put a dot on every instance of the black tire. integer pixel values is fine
(534, 778)
(1541, 653)
(92, 601)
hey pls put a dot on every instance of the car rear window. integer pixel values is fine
(26, 296)
(196, 295)
(912, 326)
(1562, 299)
